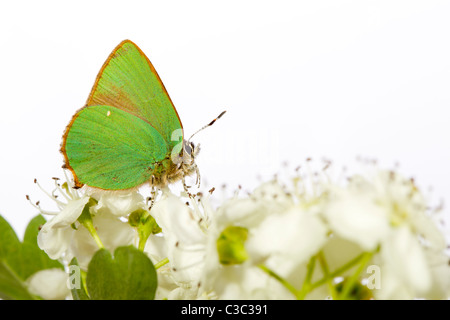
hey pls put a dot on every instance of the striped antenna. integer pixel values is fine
(208, 125)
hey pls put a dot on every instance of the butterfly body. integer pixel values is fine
(128, 133)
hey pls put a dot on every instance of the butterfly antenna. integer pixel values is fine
(208, 125)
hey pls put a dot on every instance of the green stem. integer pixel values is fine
(349, 284)
(280, 279)
(339, 271)
(142, 242)
(93, 232)
(86, 220)
(307, 286)
(161, 263)
(327, 274)
(145, 225)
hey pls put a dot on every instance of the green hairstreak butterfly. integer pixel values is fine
(129, 132)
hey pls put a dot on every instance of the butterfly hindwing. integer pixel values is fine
(109, 148)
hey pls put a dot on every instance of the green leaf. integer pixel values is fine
(29, 259)
(76, 280)
(9, 243)
(32, 230)
(129, 275)
(11, 287)
(18, 260)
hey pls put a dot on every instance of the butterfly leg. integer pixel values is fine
(197, 173)
(152, 194)
(152, 197)
(185, 186)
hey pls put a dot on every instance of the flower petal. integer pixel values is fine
(111, 230)
(118, 203)
(49, 284)
(292, 237)
(356, 216)
(55, 241)
(68, 215)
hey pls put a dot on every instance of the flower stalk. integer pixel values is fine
(86, 220)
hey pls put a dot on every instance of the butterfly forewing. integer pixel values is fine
(129, 82)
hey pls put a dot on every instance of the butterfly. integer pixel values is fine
(129, 132)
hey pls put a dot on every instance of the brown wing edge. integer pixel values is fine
(62, 149)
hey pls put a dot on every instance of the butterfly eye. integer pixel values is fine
(188, 148)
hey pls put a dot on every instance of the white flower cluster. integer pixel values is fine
(310, 237)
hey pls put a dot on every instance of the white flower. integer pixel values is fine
(247, 282)
(353, 213)
(440, 273)
(182, 242)
(388, 212)
(287, 239)
(110, 229)
(118, 203)
(410, 269)
(274, 231)
(64, 236)
(49, 284)
(311, 238)
(366, 211)
(56, 234)
(405, 273)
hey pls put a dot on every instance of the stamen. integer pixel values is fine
(236, 192)
(39, 208)
(197, 210)
(51, 196)
(72, 192)
(61, 191)
(190, 265)
(197, 173)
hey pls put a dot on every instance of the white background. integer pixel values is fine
(335, 79)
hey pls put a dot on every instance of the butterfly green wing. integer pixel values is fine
(109, 148)
(129, 81)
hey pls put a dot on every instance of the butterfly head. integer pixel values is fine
(190, 152)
